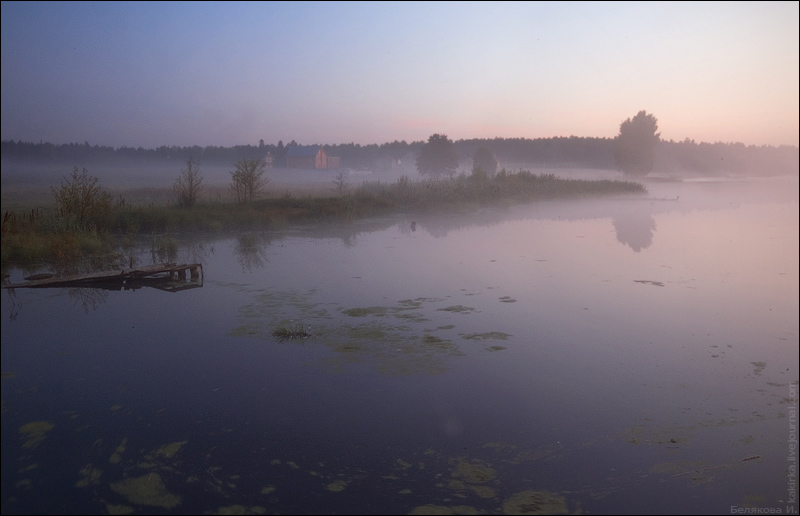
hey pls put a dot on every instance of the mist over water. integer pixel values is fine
(621, 355)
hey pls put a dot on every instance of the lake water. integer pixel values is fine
(599, 356)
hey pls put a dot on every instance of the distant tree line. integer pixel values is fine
(513, 153)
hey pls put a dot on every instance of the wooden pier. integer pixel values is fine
(170, 277)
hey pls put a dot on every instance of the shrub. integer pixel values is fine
(82, 204)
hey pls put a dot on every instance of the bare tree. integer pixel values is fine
(248, 181)
(189, 184)
(340, 183)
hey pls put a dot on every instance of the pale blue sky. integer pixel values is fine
(161, 73)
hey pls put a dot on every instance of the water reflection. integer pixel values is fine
(475, 365)
(88, 298)
(251, 251)
(635, 231)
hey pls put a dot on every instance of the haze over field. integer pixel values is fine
(158, 73)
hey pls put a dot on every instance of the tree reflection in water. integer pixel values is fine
(251, 251)
(635, 230)
(88, 297)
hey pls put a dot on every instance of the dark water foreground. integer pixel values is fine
(615, 356)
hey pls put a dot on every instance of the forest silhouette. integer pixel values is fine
(557, 152)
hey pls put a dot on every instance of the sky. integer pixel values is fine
(147, 74)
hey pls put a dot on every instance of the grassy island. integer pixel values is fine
(77, 226)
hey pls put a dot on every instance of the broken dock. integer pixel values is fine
(171, 277)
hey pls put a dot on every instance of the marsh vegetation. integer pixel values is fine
(83, 219)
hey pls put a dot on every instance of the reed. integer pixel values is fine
(298, 331)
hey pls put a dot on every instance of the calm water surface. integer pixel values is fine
(627, 356)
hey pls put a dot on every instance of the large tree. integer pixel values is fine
(437, 157)
(636, 144)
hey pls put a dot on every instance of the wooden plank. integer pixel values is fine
(122, 276)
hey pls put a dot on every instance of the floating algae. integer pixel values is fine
(337, 486)
(148, 489)
(368, 332)
(506, 299)
(272, 305)
(169, 450)
(35, 432)
(90, 476)
(241, 509)
(474, 471)
(119, 509)
(117, 455)
(156, 458)
(378, 311)
(535, 502)
(407, 311)
(495, 335)
(457, 309)
(444, 510)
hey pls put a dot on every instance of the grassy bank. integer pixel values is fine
(40, 234)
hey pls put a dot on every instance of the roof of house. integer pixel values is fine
(304, 151)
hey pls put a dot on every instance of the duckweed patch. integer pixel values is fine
(392, 349)
(90, 476)
(378, 311)
(35, 432)
(119, 509)
(535, 502)
(269, 307)
(337, 486)
(474, 471)
(116, 457)
(459, 309)
(147, 489)
(431, 509)
(483, 491)
(494, 335)
(367, 332)
(241, 509)
(169, 450)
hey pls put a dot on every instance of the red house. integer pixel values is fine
(310, 156)
(306, 156)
